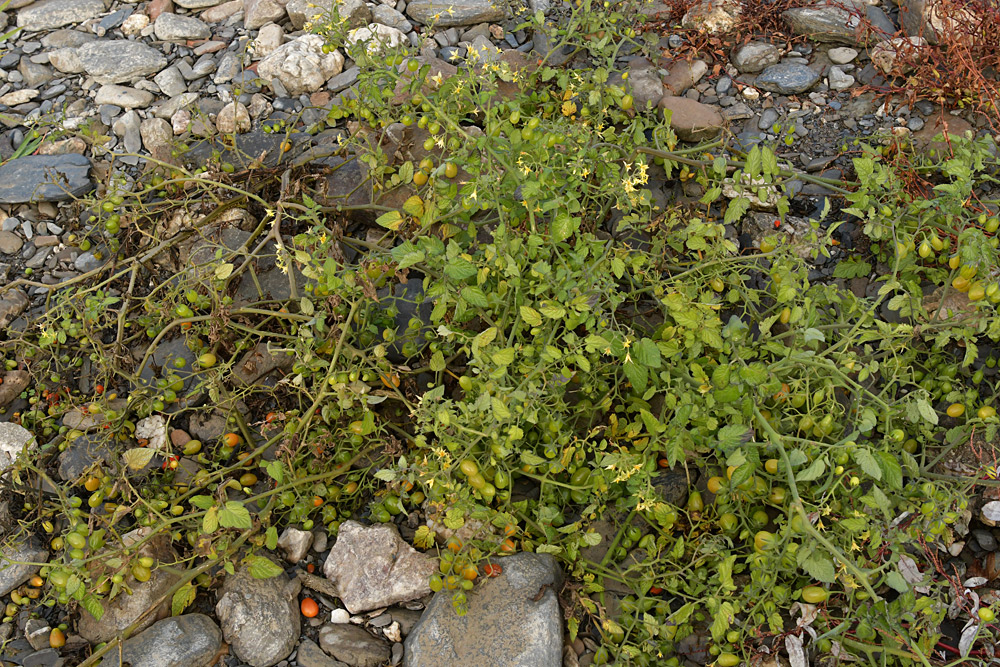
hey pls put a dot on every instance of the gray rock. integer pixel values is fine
(841, 55)
(197, 4)
(49, 14)
(10, 243)
(455, 12)
(295, 543)
(388, 16)
(301, 66)
(311, 655)
(38, 178)
(259, 617)
(787, 79)
(171, 27)
(712, 16)
(839, 79)
(373, 567)
(127, 127)
(34, 74)
(343, 80)
(301, 12)
(833, 22)
(233, 118)
(354, 13)
(36, 631)
(768, 117)
(353, 645)
(14, 382)
(17, 563)
(46, 658)
(123, 96)
(512, 621)
(755, 56)
(119, 60)
(87, 262)
(257, 13)
(191, 640)
(14, 438)
(123, 610)
(646, 87)
(690, 120)
(683, 75)
(66, 60)
(66, 39)
(12, 304)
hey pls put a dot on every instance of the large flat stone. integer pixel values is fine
(119, 60)
(37, 178)
(848, 22)
(191, 640)
(455, 12)
(51, 14)
(512, 621)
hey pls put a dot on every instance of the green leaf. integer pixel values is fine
(637, 375)
(261, 567)
(927, 411)
(820, 567)
(815, 469)
(391, 220)
(182, 599)
(223, 271)
(897, 582)
(406, 255)
(138, 458)
(849, 268)
(726, 573)
(531, 459)
(531, 316)
(414, 206)
(753, 164)
(235, 515)
(868, 463)
(210, 523)
(646, 353)
(460, 269)
(93, 606)
(271, 538)
(437, 363)
(202, 502)
(563, 227)
(475, 297)
(732, 435)
(553, 311)
(504, 357)
(306, 306)
(484, 338)
(722, 620)
(892, 472)
(276, 471)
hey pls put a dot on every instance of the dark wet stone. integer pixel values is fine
(38, 178)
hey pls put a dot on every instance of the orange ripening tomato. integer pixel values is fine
(231, 440)
(309, 608)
